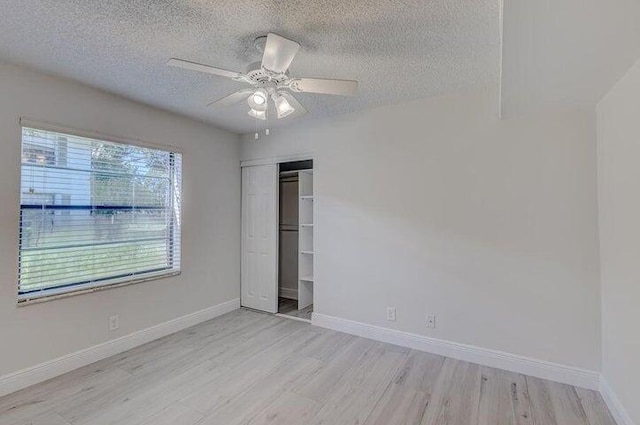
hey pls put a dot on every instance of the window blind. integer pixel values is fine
(95, 213)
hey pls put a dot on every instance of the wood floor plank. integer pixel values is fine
(197, 346)
(520, 398)
(420, 371)
(47, 418)
(100, 392)
(457, 395)
(399, 405)
(203, 334)
(595, 408)
(175, 414)
(566, 405)
(495, 399)
(248, 405)
(542, 408)
(258, 343)
(504, 399)
(288, 409)
(321, 385)
(22, 412)
(142, 399)
(231, 383)
(354, 398)
(328, 345)
(61, 391)
(248, 368)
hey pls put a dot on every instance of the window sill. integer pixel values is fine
(56, 294)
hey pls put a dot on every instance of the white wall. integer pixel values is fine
(438, 207)
(619, 202)
(211, 226)
(565, 52)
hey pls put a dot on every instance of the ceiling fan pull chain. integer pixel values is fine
(266, 114)
(256, 136)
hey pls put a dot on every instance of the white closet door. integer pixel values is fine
(260, 237)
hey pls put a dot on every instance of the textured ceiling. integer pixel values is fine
(397, 49)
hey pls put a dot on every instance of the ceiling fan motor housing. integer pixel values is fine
(259, 76)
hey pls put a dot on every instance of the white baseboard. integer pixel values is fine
(492, 358)
(24, 378)
(289, 293)
(616, 408)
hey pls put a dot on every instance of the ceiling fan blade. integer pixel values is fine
(236, 97)
(193, 66)
(278, 53)
(299, 109)
(322, 86)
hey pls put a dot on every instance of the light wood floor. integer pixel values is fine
(257, 369)
(289, 307)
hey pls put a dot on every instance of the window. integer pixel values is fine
(38, 154)
(95, 213)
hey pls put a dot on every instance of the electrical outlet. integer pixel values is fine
(114, 322)
(391, 314)
(431, 322)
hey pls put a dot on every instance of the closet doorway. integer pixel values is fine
(295, 240)
(277, 237)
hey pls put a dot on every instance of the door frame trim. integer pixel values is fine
(277, 159)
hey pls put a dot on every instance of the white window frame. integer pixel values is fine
(69, 291)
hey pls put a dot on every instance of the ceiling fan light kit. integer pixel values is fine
(270, 80)
(260, 115)
(283, 107)
(258, 100)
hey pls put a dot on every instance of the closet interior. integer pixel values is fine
(296, 253)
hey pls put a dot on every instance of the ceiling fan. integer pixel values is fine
(270, 80)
